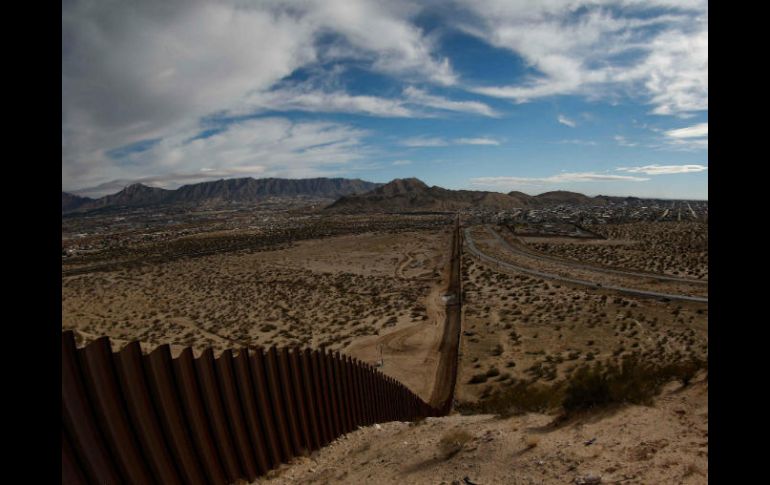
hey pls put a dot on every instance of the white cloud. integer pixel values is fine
(141, 70)
(575, 141)
(565, 177)
(664, 169)
(421, 98)
(414, 103)
(622, 141)
(264, 147)
(695, 131)
(424, 141)
(689, 138)
(566, 121)
(318, 101)
(592, 49)
(402, 162)
(476, 141)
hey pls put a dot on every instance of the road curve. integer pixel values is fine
(577, 264)
(474, 250)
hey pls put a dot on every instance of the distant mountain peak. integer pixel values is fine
(237, 190)
(402, 186)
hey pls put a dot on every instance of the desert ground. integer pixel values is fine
(523, 333)
(672, 248)
(534, 352)
(663, 443)
(374, 296)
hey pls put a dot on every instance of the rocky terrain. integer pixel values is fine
(242, 190)
(665, 442)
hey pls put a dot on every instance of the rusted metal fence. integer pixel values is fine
(135, 418)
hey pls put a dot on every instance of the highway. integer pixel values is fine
(576, 264)
(632, 291)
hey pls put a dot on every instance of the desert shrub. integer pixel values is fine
(453, 441)
(518, 397)
(478, 379)
(634, 381)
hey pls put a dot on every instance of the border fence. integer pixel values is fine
(135, 418)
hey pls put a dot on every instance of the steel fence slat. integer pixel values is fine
(251, 412)
(332, 387)
(310, 395)
(71, 470)
(262, 392)
(323, 394)
(301, 401)
(105, 394)
(234, 414)
(320, 409)
(204, 366)
(78, 419)
(128, 363)
(160, 377)
(276, 401)
(197, 417)
(134, 417)
(283, 373)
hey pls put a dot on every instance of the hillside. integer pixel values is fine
(664, 443)
(408, 195)
(242, 190)
(72, 202)
(568, 198)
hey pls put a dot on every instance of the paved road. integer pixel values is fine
(473, 249)
(576, 264)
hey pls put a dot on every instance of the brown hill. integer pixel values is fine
(72, 202)
(411, 195)
(568, 198)
(241, 190)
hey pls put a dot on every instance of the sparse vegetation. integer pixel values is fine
(453, 442)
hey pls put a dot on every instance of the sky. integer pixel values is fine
(598, 97)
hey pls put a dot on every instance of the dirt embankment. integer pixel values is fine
(664, 443)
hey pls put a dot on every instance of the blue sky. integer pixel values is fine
(599, 97)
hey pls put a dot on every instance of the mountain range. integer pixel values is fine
(404, 195)
(240, 190)
(352, 195)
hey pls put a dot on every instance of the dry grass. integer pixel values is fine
(531, 441)
(453, 442)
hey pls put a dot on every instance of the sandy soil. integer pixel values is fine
(520, 328)
(665, 443)
(328, 292)
(490, 245)
(673, 248)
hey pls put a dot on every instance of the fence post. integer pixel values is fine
(301, 401)
(111, 415)
(290, 400)
(321, 412)
(262, 392)
(204, 365)
(312, 398)
(77, 417)
(277, 405)
(128, 364)
(320, 357)
(246, 392)
(234, 414)
(338, 392)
